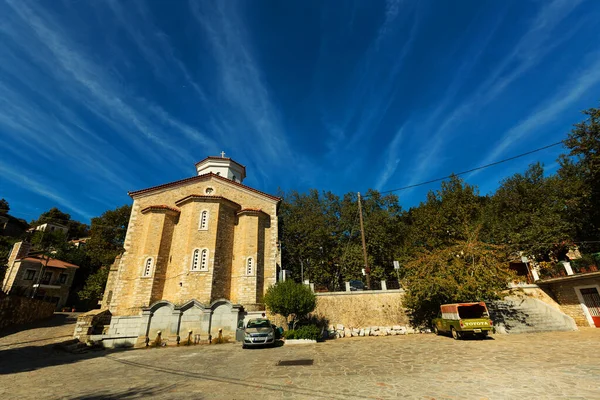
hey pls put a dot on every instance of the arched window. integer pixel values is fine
(204, 260)
(249, 266)
(203, 225)
(196, 260)
(148, 267)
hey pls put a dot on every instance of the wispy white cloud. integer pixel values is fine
(20, 177)
(392, 160)
(51, 86)
(375, 87)
(92, 87)
(583, 81)
(392, 9)
(538, 40)
(243, 85)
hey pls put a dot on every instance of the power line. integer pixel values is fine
(474, 169)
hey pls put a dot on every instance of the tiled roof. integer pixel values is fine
(53, 262)
(160, 207)
(201, 197)
(251, 211)
(201, 178)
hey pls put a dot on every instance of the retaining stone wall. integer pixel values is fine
(362, 309)
(15, 310)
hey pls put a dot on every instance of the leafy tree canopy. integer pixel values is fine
(463, 272)
(107, 235)
(291, 300)
(4, 207)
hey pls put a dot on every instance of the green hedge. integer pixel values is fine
(311, 332)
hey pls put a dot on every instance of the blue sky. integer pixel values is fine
(98, 98)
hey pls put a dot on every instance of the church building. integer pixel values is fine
(199, 255)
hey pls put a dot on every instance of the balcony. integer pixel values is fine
(549, 270)
(46, 284)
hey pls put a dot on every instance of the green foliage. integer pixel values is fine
(4, 207)
(6, 244)
(527, 212)
(49, 242)
(464, 272)
(311, 332)
(107, 235)
(321, 239)
(76, 229)
(290, 299)
(449, 215)
(94, 286)
(580, 173)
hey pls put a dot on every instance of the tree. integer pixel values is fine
(4, 207)
(290, 299)
(75, 230)
(94, 286)
(527, 213)
(107, 235)
(449, 215)
(308, 235)
(464, 272)
(53, 215)
(580, 172)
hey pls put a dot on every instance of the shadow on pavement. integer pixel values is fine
(31, 358)
(57, 319)
(309, 393)
(132, 393)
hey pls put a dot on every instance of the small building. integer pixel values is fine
(578, 295)
(79, 243)
(23, 277)
(52, 227)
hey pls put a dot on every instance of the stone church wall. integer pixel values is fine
(148, 234)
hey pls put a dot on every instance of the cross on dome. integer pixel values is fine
(222, 154)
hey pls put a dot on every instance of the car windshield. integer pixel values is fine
(259, 323)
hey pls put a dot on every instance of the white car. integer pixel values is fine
(259, 332)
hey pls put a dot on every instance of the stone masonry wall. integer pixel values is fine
(565, 294)
(362, 309)
(20, 310)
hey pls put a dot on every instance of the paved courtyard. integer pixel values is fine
(530, 366)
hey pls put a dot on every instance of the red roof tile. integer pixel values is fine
(251, 211)
(53, 262)
(201, 178)
(161, 207)
(205, 197)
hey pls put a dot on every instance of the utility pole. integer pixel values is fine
(364, 245)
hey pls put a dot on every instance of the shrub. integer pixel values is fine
(291, 334)
(290, 299)
(311, 332)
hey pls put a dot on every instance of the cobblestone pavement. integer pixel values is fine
(529, 366)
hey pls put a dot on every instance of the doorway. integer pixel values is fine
(590, 302)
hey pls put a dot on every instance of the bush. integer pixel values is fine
(311, 332)
(289, 298)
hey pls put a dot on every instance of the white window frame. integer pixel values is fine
(205, 226)
(196, 261)
(148, 270)
(586, 312)
(204, 259)
(250, 266)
